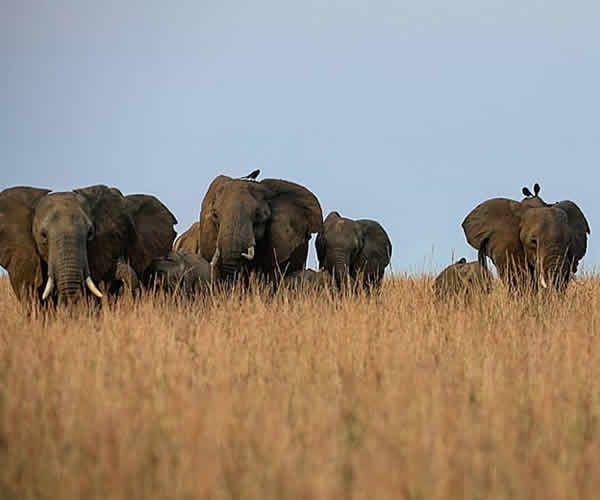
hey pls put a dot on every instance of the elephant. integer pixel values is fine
(532, 243)
(358, 249)
(60, 246)
(463, 277)
(257, 226)
(307, 279)
(179, 272)
(188, 241)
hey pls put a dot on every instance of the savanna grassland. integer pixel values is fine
(304, 397)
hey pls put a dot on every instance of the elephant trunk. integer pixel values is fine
(341, 267)
(68, 265)
(553, 270)
(68, 269)
(237, 248)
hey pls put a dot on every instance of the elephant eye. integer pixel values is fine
(44, 234)
(214, 216)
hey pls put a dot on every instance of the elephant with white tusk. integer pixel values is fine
(262, 226)
(533, 244)
(58, 247)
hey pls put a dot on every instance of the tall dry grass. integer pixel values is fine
(304, 397)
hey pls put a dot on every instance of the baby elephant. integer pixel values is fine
(463, 277)
(307, 279)
(355, 249)
(179, 272)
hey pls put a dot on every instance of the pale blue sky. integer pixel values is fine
(406, 112)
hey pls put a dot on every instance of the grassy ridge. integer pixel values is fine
(304, 397)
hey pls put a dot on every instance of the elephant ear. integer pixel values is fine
(18, 252)
(376, 248)
(496, 223)
(295, 214)
(154, 232)
(321, 241)
(113, 227)
(579, 227)
(208, 229)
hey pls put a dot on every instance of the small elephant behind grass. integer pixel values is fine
(358, 250)
(179, 272)
(308, 280)
(463, 279)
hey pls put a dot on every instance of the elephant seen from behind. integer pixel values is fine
(463, 278)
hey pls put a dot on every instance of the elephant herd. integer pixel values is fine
(60, 246)
(94, 241)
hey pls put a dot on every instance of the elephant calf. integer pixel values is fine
(355, 249)
(463, 277)
(179, 272)
(308, 279)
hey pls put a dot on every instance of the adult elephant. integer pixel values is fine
(531, 243)
(262, 226)
(59, 246)
(354, 248)
(188, 241)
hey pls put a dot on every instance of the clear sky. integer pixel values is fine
(408, 112)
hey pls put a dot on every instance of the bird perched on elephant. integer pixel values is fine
(58, 246)
(354, 249)
(179, 272)
(463, 278)
(532, 243)
(188, 241)
(263, 226)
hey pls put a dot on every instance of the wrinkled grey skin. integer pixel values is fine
(353, 249)
(179, 272)
(533, 244)
(58, 247)
(463, 278)
(250, 226)
(189, 241)
(308, 279)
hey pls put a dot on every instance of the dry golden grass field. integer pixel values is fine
(304, 397)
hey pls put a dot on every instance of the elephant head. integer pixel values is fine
(263, 226)
(463, 277)
(348, 247)
(60, 245)
(531, 242)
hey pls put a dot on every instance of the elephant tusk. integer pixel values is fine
(89, 282)
(250, 254)
(48, 289)
(543, 282)
(215, 258)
